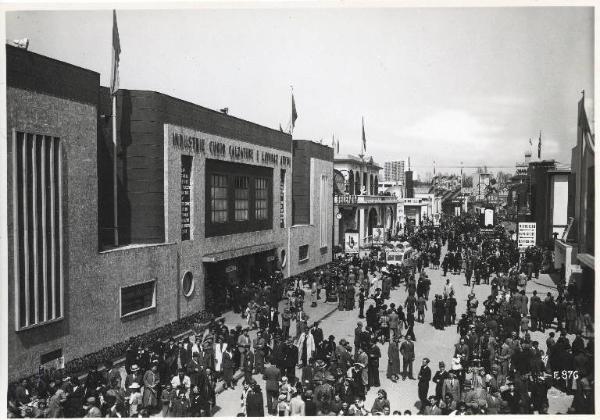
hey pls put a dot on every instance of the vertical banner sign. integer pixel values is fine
(526, 236)
(186, 169)
(351, 242)
(282, 199)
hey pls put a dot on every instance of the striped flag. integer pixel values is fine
(116, 52)
(364, 138)
(540, 146)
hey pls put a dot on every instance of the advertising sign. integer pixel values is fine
(526, 236)
(379, 235)
(351, 242)
(488, 217)
(282, 199)
(186, 169)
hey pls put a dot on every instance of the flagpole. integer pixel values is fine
(115, 196)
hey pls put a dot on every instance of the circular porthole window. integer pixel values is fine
(187, 284)
(283, 258)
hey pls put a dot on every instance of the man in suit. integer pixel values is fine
(290, 358)
(272, 376)
(424, 378)
(394, 322)
(273, 319)
(407, 350)
(317, 334)
(451, 386)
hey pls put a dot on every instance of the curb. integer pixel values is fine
(238, 375)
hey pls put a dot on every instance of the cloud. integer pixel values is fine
(452, 126)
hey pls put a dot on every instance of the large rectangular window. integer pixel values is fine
(37, 228)
(239, 198)
(218, 199)
(137, 298)
(261, 198)
(242, 197)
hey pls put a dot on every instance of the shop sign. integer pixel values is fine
(526, 235)
(346, 199)
(185, 201)
(282, 199)
(222, 150)
(187, 143)
(351, 242)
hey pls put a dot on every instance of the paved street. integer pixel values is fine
(437, 345)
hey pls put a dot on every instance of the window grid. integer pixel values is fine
(241, 198)
(218, 197)
(261, 199)
(37, 228)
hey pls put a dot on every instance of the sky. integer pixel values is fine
(443, 85)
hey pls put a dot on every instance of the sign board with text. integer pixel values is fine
(526, 235)
(351, 242)
(379, 235)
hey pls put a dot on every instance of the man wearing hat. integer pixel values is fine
(134, 376)
(440, 376)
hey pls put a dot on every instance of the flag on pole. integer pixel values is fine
(540, 146)
(294, 113)
(333, 141)
(583, 126)
(280, 128)
(364, 138)
(116, 52)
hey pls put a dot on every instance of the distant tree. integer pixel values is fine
(468, 182)
(503, 177)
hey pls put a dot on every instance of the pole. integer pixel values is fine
(115, 196)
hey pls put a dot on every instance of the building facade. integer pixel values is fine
(359, 208)
(394, 172)
(203, 204)
(311, 233)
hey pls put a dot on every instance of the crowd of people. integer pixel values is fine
(496, 366)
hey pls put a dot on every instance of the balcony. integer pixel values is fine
(348, 199)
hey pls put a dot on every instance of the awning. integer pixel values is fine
(238, 252)
(587, 260)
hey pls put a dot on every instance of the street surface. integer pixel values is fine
(437, 345)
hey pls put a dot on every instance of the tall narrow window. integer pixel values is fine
(323, 225)
(260, 198)
(218, 198)
(37, 228)
(186, 197)
(242, 198)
